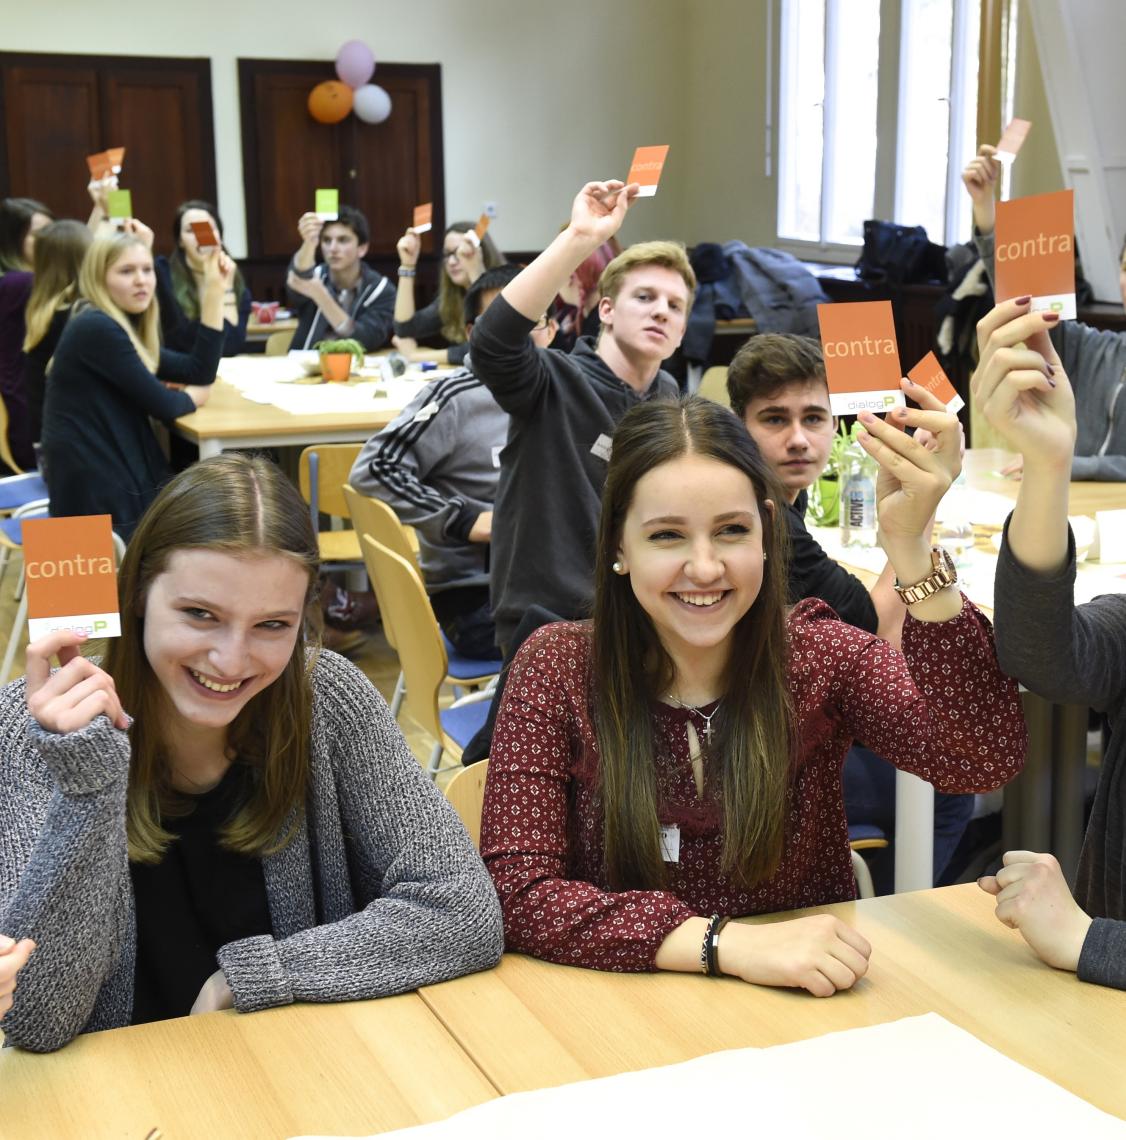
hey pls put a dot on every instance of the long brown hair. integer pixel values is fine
(749, 758)
(244, 507)
(16, 216)
(451, 297)
(143, 329)
(56, 262)
(185, 288)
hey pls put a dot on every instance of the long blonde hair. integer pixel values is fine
(56, 262)
(244, 507)
(143, 329)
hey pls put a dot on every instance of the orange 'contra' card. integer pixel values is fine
(71, 576)
(929, 374)
(861, 357)
(423, 218)
(645, 170)
(1012, 139)
(1035, 251)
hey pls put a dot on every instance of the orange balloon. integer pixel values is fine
(329, 102)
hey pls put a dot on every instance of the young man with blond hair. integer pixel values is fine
(563, 408)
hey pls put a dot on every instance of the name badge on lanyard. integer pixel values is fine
(670, 843)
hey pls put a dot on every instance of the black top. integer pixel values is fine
(427, 323)
(197, 899)
(813, 574)
(35, 363)
(178, 330)
(99, 448)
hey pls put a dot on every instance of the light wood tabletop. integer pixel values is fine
(529, 1024)
(350, 1068)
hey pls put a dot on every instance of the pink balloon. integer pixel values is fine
(355, 63)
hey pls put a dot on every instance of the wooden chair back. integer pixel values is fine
(713, 386)
(466, 792)
(277, 343)
(334, 465)
(418, 642)
(376, 519)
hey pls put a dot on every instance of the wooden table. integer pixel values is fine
(256, 331)
(529, 1024)
(352, 1068)
(229, 421)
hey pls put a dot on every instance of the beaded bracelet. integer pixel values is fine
(407, 271)
(709, 951)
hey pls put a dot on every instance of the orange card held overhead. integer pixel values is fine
(861, 356)
(645, 170)
(101, 166)
(1012, 139)
(482, 226)
(71, 576)
(205, 235)
(1035, 251)
(423, 218)
(928, 373)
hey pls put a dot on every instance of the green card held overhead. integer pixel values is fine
(327, 205)
(119, 204)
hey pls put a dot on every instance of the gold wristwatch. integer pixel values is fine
(942, 575)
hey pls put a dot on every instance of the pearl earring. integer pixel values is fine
(618, 568)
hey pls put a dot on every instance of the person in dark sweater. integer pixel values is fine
(109, 377)
(20, 221)
(255, 832)
(179, 282)
(1064, 652)
(59, 251)
(340, 296)
(436, 465)
(777, 386)
(563, 408)
(464, 258)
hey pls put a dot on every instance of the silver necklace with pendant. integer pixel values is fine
(705, 717)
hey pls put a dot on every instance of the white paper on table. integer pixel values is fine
(920, 1077)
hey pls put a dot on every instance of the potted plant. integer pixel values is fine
(338, 356)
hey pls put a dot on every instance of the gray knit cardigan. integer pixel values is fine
(380, 890)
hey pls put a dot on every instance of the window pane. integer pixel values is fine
(924, 115)
(963, 118)
(853, 57)
(800, 116)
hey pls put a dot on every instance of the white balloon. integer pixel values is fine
(371, 103)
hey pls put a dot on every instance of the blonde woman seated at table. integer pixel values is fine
(1066, 653)
(678, 760)
(221, 815)
(464, 258)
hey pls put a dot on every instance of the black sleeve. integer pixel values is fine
(35, 371)
(196, 367)
(426, 322)
(457, 353)
(813, 574)
(177, 332)
(506, 361)
(374, 318)
(234, 336)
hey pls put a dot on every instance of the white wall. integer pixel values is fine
(538, 97)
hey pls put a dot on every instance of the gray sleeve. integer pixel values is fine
(1100, 468)
(426, 322)
(1066, 653)
(1103, 957)
(984, 244)
(437, 915)
(69, 888)
(394, 464)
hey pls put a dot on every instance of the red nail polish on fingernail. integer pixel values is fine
(1024, 300)
(1051, 369)
(1051, 317)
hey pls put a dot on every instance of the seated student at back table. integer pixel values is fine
(108, 381)
(464, 259)
(564, 408)
(222, 815)
(342, 296)
(680, 756)
(778, 388)
(436, 464)
(1095, 359)
(179, 280)
(1066, 653)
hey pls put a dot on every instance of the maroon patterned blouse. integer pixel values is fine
(941, 709)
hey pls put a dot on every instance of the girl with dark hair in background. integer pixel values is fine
(20, 220)
(464, 259)
(180, 285)
(220, 814)
(678, 760)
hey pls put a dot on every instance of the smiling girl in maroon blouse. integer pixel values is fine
(678, 759)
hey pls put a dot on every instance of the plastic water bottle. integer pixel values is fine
(858, 496)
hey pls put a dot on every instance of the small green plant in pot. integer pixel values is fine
(338, 358)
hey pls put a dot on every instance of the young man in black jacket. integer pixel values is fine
(563, 408)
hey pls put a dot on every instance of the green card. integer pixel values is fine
(119, 204)
(328, 205)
